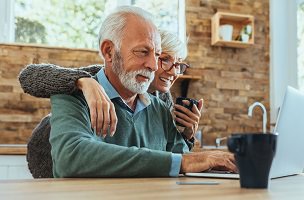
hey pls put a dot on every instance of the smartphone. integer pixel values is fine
(179, 101)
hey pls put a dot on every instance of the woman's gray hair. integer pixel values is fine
(113, 26)
(172, 45)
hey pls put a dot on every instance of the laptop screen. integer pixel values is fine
(290, 129)
(289, 158)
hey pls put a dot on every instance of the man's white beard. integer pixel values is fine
(128, 79)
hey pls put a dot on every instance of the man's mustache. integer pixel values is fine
(146, 73)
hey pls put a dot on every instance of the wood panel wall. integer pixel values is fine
(232, 78)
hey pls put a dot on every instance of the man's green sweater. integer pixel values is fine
(141, 146)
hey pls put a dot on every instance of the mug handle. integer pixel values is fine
(234, 144)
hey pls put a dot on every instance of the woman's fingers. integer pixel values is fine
(187, 123)
(185, 116)
(200, 104)
(113, 118)
(102, 111)
(189, 118)
(106, 118)
(109, 115)
(93, 116)
(99, 115)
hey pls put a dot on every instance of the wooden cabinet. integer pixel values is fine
(239, 22)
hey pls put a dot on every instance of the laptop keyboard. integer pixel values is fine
(220, 172)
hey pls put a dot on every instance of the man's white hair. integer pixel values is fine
(113, 26)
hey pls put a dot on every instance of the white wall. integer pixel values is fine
(14, 167)
(283, 51)
(7, 29)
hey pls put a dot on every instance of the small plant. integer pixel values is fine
(247, 30)
(245, 34)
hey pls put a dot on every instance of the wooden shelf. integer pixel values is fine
(185, 80)
(234, 44)
(238, 21)
(193, 77)
(13, 149)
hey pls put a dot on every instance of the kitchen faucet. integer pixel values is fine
(218, 141)
(250, 109)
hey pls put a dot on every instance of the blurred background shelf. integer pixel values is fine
(13, 149)
(193, 77)
(184, 80)
(238, 21)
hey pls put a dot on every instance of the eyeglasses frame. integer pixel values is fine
(174, 65)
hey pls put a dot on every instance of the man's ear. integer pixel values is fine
(107, 50)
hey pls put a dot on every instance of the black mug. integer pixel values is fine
(179, 101)
(253, 153)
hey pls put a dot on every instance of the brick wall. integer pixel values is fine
(20, 112)
(232, 78)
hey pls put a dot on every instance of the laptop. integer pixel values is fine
(288, 159)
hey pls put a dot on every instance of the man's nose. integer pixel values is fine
(151, 62)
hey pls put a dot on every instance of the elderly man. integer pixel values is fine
(146, 142)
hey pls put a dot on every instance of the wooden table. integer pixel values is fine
(147, 188)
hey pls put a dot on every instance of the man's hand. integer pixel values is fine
(102, 110)
(190, 119)
(202, 161)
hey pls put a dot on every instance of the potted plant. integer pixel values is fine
(246, 33)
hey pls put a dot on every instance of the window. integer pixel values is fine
(169, 15)
(300, 34)
(59, 23)
(286, 50)
(75, 23)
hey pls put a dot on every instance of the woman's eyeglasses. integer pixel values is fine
(167, 65)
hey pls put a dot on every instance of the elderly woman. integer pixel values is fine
(44, 80)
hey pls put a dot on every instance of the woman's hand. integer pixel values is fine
(189, 118)
(102, 110)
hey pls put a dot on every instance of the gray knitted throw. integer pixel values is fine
(39, 151)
